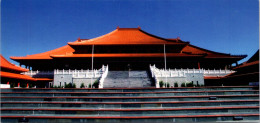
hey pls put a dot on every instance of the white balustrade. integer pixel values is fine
(104, 75)
(182, 72)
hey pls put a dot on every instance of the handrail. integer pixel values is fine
(104, 75)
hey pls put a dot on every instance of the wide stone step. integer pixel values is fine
(134, 99)
(127, 79)
(131, 94)
(131, 112)
(208, 88)
(129, 104)
(170, 118)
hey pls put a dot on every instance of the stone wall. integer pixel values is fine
(60, 80)
(196, 78)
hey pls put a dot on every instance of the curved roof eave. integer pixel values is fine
(8, 65)
(127, 36)
(46, 55)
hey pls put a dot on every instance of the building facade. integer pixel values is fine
(126, 49)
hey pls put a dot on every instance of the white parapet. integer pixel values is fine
(32, 73)
(4, 85)
(80, 73)
(78, 77)
(191, 75)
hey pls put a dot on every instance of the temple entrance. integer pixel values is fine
(128, 79)
(128, 67)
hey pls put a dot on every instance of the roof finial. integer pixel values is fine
(79, 40)
(117, 27)
(139, 27)
(178, 38)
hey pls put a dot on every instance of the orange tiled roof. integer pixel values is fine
(127, 36)
(46, 55)
(247, 64)
(209, 54)
(43, 79)
(126, 55)
(212, 77)
(7, 65)
(16, 76)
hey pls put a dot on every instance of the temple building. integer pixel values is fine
(11, 75)
(125, 50)
(246, 73)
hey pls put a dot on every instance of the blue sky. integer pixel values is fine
(35, 26)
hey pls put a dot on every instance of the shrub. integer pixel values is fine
(183, 84)
(67, 85)
(167, 85)
(176, 84)
(73, 85)
(30, 85)
(161, 83)
(82, 85)
(12, 85)
(70, 85)
(23, 85)
(189, 84)
(89, 85)
(95, 84)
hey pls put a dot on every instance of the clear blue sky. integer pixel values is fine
(35, 26)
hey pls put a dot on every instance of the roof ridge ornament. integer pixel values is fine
(117, 27)
(79, 40)
(139, 27)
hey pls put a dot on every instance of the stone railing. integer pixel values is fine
(153, 70)
(4, 85)
(40, 73)
(102, 79)
(82, 73)
(183, 73)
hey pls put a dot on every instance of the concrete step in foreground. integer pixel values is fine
(150, 119)
(131, 105)
(151, 89)
(133, 99)
(130, 94)
(131, 111)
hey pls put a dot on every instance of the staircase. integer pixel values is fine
(126, 79)
(183, 104)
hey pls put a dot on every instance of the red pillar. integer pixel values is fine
(7, 83)
(18, 84)
(27, 86)
(198, 65)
